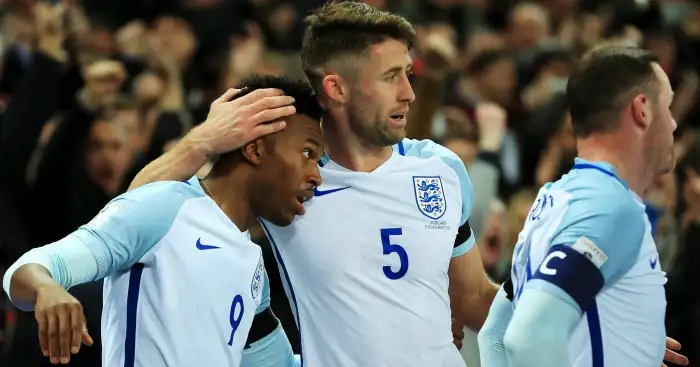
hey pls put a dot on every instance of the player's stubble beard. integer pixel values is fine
(372, 129)
(660, 153)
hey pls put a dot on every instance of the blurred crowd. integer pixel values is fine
(93, 90)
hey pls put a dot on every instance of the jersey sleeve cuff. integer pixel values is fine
(463, 248)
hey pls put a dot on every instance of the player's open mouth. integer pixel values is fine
(398, 117)
(301, 199)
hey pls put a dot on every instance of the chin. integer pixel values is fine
(281, 220)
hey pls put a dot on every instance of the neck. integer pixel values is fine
(226, 192)
(627, 160)
(345, 148)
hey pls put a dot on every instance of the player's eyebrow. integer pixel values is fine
(397, 69)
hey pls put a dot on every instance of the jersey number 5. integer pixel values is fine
(235, 315)
(390, 248)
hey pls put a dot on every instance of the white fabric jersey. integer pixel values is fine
(191, 285)
(366, 266)
(588, 241)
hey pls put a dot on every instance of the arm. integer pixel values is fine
(491, 347)
(115, 239)
(547, 344)
(589, 251)
(471, 292)
(229, 125)
(267, 344)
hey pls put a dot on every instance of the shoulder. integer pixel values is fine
(596, 193)
(600, 209)
(154, 203)
(429, 149)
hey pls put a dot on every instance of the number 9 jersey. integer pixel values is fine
(366, 268)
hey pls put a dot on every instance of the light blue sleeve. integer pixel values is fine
(539, 331)
(491, 347)
(273, 350)
(265, 298)
(131, 224)
(597, 242)
(428, 148)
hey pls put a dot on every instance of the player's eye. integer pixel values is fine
(307, 153)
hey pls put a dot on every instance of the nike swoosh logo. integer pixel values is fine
(201, 246)
(318, 192)
(653, 262)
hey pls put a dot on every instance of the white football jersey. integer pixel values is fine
(587, 235)
(366, 267)
(182, 291)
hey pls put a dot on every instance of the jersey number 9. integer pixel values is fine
(390, 248)
(235, 317)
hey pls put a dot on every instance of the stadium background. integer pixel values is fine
(93, 90)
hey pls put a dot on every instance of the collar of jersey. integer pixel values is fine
(605, 167)
(325, 159)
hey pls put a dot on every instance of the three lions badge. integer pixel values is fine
(430, 196)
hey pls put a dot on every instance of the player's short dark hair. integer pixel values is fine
(604, 82)
(305, 100)
(341, 28)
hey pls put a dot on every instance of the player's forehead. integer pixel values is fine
(302, 127)
(387, 55)
(663, 80)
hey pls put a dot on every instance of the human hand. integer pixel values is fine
(61, 323)
(457, 333)
(491, 120)
(234, 123)
(49, 29)
(671, 355)
(103, 79)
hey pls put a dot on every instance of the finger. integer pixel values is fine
(272, 114)
(64, 334)
(43, 329)
(267, 129)
(86, 338)
(256, 95)
(673, 344)
(676, 358)
(268, 103)
(226, 96)
(77, 325)
(54, 350)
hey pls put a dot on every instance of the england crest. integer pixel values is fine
(258, 280)
(430, 196)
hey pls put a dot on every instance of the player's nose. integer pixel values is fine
(315, 178)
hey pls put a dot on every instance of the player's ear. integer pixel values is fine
(335, 88)
(642, 111)
(253, 152)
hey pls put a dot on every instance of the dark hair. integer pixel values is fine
(341, 28)
(305, 100)
(485, 59)
(602, 84)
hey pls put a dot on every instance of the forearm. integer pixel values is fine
(491, 349)
(476, 310)
(65, 263)
(273, 350)
(179, 164)
(471, 291)
(539, 332)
